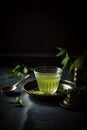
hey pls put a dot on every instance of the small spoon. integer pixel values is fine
(14, 86)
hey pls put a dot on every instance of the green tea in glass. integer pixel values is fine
(48, 78)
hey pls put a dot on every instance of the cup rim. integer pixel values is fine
(59, 68)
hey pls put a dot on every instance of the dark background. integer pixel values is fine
(31, 29)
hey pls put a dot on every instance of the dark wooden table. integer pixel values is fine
(37, 114)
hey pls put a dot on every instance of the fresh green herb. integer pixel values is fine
(37, 92)
(19, 70)
(68, 64)
(19, 101)
(66, 61)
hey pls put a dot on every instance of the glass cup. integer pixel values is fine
(48, 78)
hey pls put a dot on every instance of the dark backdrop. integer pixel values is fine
(38, 28)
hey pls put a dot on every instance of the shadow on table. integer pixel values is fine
(56, 101)
(43, 117)
(46, 100)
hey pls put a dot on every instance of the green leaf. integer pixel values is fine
(64, 56)
(17, 67)
(61, 52)
(19, 101)
(19, 70)
(65, 61)
(20, 74)
(71, 67)
(25, 69)
(12, 74)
